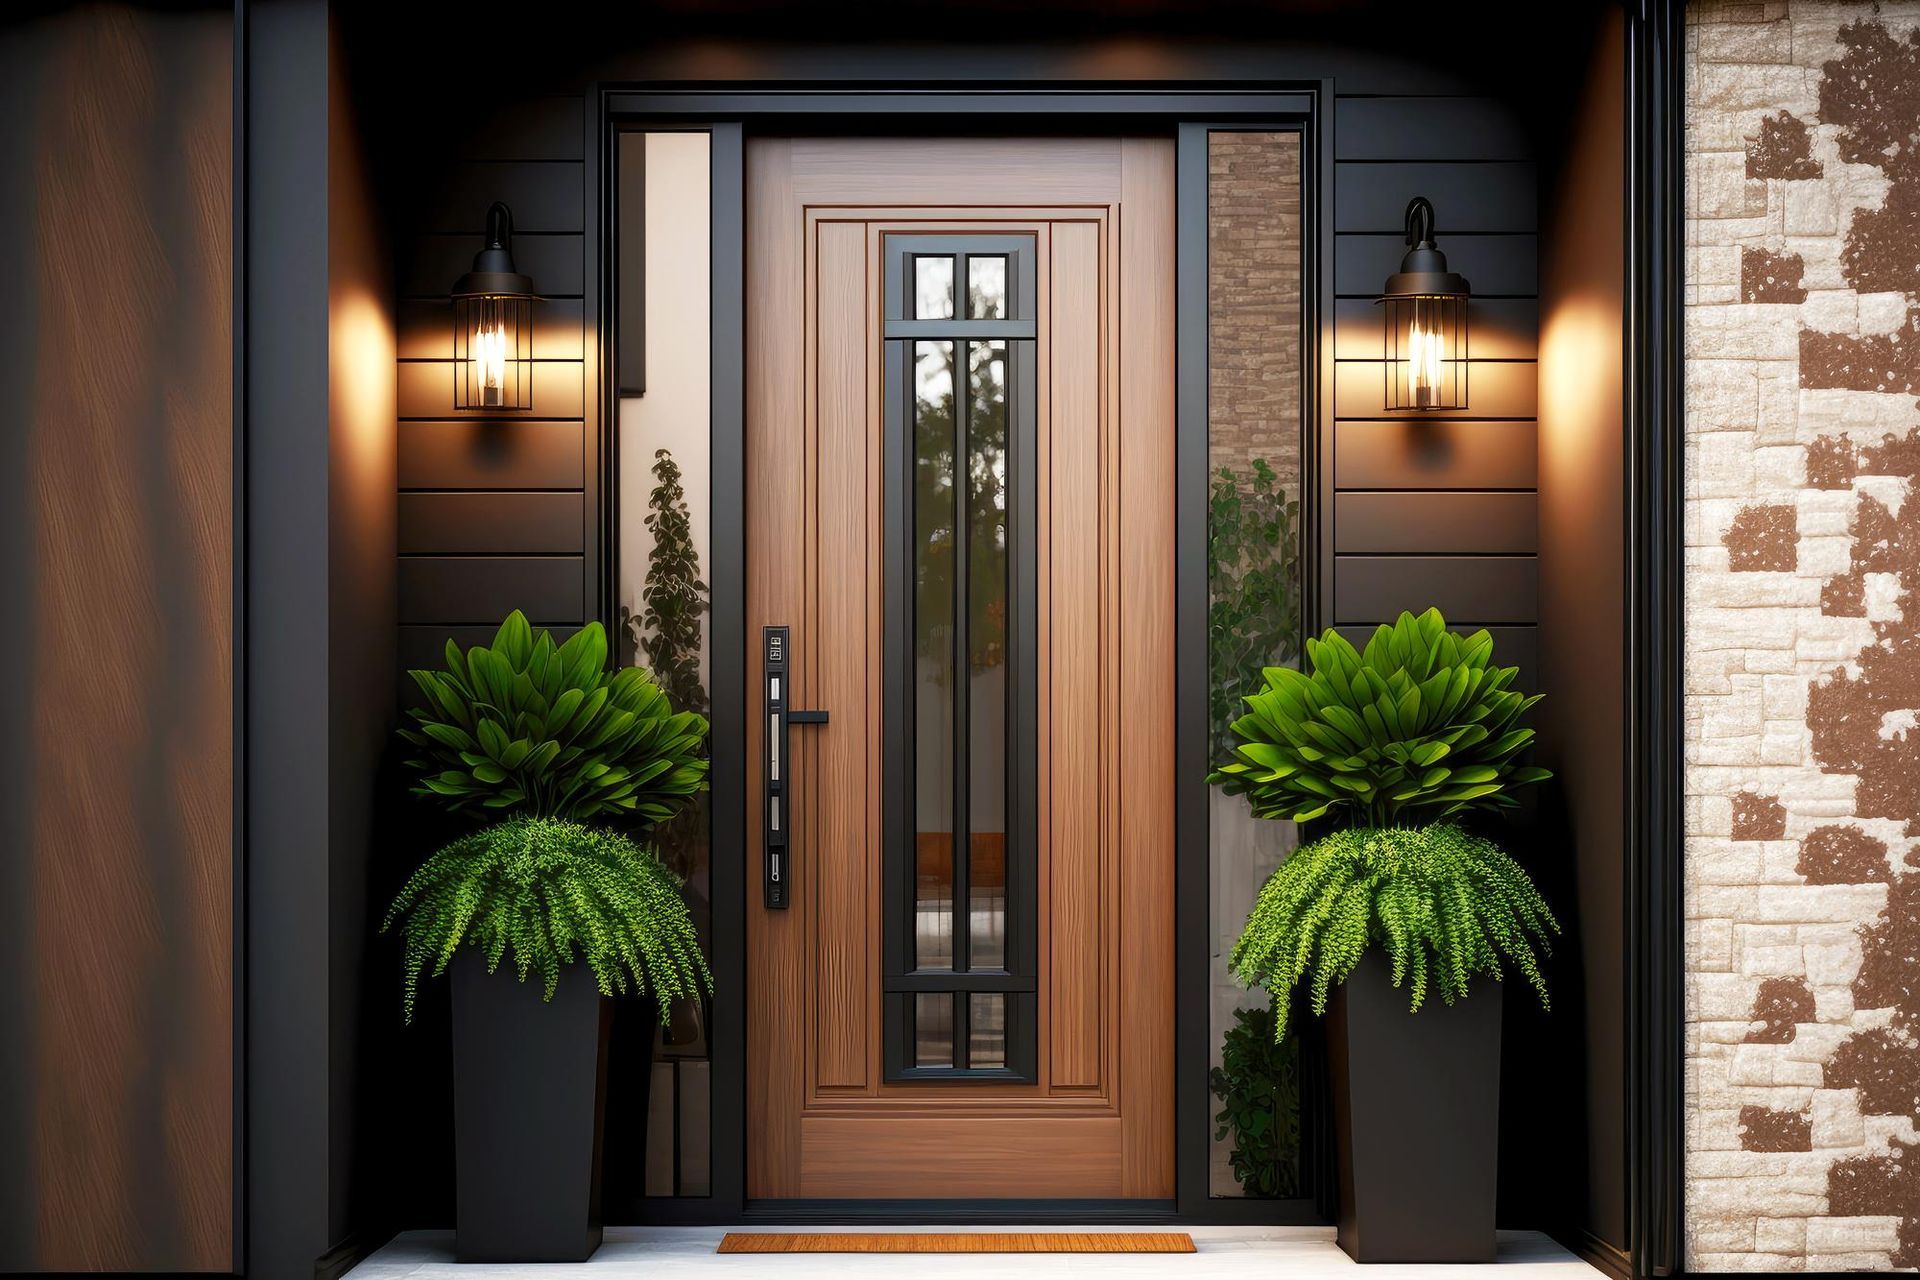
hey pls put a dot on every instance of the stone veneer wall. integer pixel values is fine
(1253, 303)
(1803, 667)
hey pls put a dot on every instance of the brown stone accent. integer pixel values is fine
(1884, 1066)
(1871, 1186)
(1762, 1129)
(1889, 976)
(1783, 150)
(1893, 456)
(1887, 362)
(1761, 540)
(1842, 855)
(1781, 1004)
(1771, 277)
(1758, 817)
(1844, 596)
(1831, 463)
(1873, 93)
(1253, 303)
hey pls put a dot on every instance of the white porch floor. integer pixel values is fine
(1225, 1253)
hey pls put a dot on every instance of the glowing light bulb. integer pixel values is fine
(490, 354)
(1426, 355)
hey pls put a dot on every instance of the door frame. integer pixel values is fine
(729, 115)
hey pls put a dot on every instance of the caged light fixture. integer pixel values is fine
(493, 326)
(1425, 307)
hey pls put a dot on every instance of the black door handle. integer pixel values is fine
(777, 813)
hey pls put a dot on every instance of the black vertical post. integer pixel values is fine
(1192, 982)
(728, 641)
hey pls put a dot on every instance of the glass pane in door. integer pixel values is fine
(987, 619)
(934, 685)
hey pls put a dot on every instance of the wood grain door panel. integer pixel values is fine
(823, 1121)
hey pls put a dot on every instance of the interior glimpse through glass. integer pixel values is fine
(986, 287)
(986, 532)
(1254, 435)
(933, 1029)
(660, 1135)
(933, 288)
(933, 640)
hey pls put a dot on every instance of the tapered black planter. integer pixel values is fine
(1416, 1113)
(529, 1089)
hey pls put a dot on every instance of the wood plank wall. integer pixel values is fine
(1439, 510)
(495, 513)
(117, 887)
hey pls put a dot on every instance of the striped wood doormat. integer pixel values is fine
(957, 1242)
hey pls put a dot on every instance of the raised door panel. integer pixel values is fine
(1072, 648)
(844, 839)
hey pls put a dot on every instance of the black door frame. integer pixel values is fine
(1188, 114)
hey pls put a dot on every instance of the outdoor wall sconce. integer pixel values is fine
(493, 325)
(1426, 318)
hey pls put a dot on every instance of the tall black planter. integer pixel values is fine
(1416, 1113)
(529, 1091)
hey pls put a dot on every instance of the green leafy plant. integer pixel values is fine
(1442, 903)
(526, 726)
(1253, 582)
(1258, 1084)
(668, 631)
(1417, 728)
(543, 893)
(674, 595)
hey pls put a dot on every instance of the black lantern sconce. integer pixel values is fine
(493, 326)
(1426, 318)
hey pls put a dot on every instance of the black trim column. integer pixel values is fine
(1656, 40)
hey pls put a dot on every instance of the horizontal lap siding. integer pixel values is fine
(1441, 509)
(496, 513)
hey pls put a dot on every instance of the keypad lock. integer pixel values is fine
(777, 812)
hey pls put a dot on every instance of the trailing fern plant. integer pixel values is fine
(1419, 727)
(543, 893)
(1443, 904)
(541, 737)
(1258, 1084)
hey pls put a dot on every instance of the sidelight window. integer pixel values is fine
(961, 952)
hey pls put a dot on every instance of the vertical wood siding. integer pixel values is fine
(116, 901)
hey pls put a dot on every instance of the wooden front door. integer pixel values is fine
(960, 409)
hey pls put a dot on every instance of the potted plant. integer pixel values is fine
(1397, 748)
(552, 749)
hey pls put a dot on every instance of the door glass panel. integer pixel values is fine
(986, 1030)
(986, 287)
(933, 1029)
(1254, 442)
(934, 684)
(933, 288)
(960, 657)
(987, 616)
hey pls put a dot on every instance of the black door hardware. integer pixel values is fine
(777, 815)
